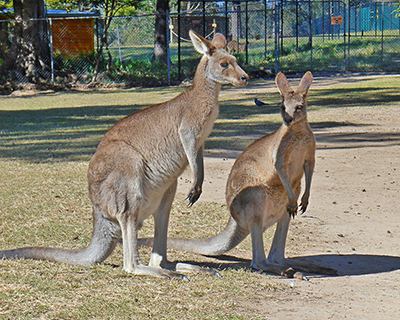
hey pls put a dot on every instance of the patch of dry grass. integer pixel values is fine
(33, 289)
(46, 204)
(45, 144)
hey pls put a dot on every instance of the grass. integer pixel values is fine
(46, 204)
(46, 142)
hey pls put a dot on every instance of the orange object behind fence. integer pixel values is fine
(73, 37)
(336, 20)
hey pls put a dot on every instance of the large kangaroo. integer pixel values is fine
(263, 188)
(134, 172)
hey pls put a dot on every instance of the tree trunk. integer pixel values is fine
(103, 45)
(4, 36)
(161, 29)
(29, 54)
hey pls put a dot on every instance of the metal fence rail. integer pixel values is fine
(289, 36)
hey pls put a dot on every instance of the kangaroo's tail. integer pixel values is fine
(105, 236)
(229, 238)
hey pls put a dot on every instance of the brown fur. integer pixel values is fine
(134, 172)
(263, 188)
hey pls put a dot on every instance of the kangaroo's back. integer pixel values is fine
(249, 169)
(133, 173)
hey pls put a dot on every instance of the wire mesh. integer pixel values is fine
(265, 36)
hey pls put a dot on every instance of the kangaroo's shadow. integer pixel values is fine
(344, 264)
(354, 264)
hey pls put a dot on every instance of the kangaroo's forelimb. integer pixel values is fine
(263, 188)
(133, 173)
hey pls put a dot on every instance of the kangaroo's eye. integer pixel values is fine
(224, 65)
(298, 108)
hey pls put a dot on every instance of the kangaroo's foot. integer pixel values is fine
(156, 272)
(291, 269)
(309, 267)
(186, 267)
(157, 261)
(276, 268)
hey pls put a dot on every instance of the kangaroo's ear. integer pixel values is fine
(201, 45)
(219, 41)
(283, 84)
(305, 83)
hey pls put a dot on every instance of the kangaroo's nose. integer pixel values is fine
(287, 118)
(245, 77)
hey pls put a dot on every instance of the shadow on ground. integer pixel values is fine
(68, 134)
(344, 264)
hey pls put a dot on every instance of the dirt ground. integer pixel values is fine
(351, 224)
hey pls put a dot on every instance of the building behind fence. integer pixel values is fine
(289, 36)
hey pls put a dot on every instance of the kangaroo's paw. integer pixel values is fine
(193, 196)
(187, 267)
(292, 208)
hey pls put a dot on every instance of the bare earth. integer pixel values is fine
(352, 223)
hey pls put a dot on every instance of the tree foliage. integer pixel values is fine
(397, 11)
(123, 7)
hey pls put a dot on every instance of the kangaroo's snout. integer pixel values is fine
(242, 80)
(287, 118)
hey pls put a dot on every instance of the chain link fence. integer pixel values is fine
(266, 37)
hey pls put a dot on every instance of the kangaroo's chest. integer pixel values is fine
(296, 149)
(208, 120)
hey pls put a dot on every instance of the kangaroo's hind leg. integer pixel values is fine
(251, 207)
(259, 261)
(132, 263)
(277, 253)
(161, 220)
(130, 201)
(159, 253)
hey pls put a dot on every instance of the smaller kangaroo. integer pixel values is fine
(134, 172)
(263, 188)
